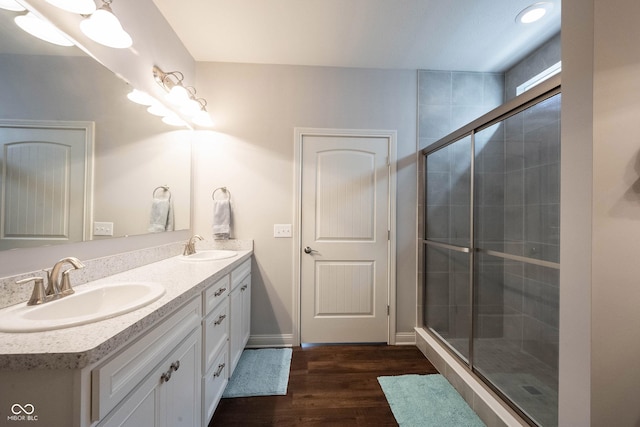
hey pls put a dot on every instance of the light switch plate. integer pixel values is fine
(281, 230)
(103, 228)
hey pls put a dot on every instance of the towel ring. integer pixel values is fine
(162, 187)
(224, 190)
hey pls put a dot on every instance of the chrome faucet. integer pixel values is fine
(190, 246)
(58, 287)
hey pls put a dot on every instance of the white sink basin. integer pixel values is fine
(85, 306)
(211, 255)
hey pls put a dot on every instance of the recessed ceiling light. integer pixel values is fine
(534, 12)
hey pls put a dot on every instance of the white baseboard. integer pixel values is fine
(405, 338)
(286, 340)
(260, 341)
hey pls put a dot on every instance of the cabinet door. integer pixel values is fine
(158, 402)
(240, 312)
(181, 398)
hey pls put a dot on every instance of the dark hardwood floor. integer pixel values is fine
(329, 386)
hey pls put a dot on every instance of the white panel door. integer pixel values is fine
(344, 235)
(42, 183)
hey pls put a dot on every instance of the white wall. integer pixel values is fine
(600, 295)
(252, 153)
(615, 379)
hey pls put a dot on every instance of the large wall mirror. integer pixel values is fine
(74, 151)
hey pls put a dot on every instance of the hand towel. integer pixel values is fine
(221, 218)
(161, 218)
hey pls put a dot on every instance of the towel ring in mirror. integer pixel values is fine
(165, 188)
(224, 190)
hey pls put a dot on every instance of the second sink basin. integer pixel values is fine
(85, 306)
(210, 255)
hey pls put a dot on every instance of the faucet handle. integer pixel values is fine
(38, 295)
(65, 283)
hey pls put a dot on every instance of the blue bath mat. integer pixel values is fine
(427, 401)
(263, 372)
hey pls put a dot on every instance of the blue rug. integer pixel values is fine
(427, 401)
(263, 372)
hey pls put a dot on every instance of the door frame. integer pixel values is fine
(391, 136)
(89, 142)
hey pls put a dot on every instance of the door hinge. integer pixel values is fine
(388, 310)
(388, 234)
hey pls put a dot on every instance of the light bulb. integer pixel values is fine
(191, 108)
(178, 95)
(103, 27)
(41, 29)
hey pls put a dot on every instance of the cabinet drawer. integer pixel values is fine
(240, 273)
(213, 384)
(215, 294)
(216, 333)
(114, 379)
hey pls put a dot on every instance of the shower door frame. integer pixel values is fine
(533, 96)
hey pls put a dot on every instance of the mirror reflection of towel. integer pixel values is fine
(221, 218)
(161, 218)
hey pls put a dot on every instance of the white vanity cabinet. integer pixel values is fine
(240, 299)
(167, 363)
(168, 370)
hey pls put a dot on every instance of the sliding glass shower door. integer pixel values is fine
(491, 247)
(448, 244)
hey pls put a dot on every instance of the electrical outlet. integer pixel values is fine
(281, 230)
(103, 229)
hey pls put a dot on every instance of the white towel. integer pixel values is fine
(221, 218)
(161, 218)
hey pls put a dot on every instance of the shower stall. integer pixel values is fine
(490, 246)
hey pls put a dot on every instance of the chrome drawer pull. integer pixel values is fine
(219, 292)
(220, 319)
(167, 375)
(219, 371)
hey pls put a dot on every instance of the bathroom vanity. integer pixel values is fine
(165, 364)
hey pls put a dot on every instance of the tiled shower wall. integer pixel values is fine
(519, 302)
(448, 100)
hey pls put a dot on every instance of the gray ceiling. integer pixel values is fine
(464, 35)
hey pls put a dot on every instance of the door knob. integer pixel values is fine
(308, 250)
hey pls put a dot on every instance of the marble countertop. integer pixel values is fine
(80, 346)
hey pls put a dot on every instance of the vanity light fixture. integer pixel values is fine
(11, 5)
(184, 97)
(41, 29)
(534, 12)
(104, 27)
(81, 7)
